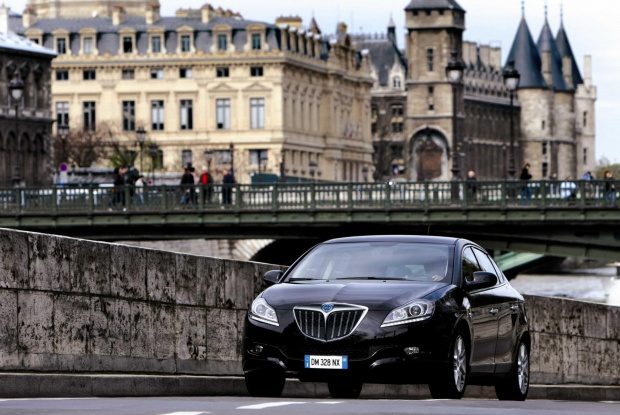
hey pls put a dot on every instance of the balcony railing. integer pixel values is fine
(311, 196)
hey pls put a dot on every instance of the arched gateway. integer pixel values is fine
(429, 155)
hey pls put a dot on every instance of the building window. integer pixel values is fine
(256, 71)
(585, 118)
(543, 125)
(256, 41)
(157, 115)
(88, 45)
(186, 73)
(545, 169)
(223, 114)
(185, 43)
(397, 83)
(129, 115)
(186, 157)
(397, 127)
(89, 116)
(544, 149)
(431, 90)
(156, 44)
(429, 59)
(127, 44)
(428, 12)
(257, 113)
(585, 156)
(222, 42)
(222, 72)
(187, 114)
(259, 157)
(61, 46)
(34, 40)
(89, 75)
(62, 114)
(398, 110)
(128, 74)
(157, 73)
(431, 106)
(62, 75)
(441, 12)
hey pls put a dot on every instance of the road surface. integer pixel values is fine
(284, 406)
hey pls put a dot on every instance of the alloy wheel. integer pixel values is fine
(523, 368)
(460, 363)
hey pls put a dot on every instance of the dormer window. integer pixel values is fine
(396, 82)
(128, 40)
(156, 40)
(185, 39)
(88, 46)
(88, 41)
(256, 41)
(61, 46)
(222, 42)
(185, 43)
(127, 44)
(156, 44)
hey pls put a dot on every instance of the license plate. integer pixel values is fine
(326, 362)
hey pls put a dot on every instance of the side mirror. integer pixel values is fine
(272, 277)
(482, 279)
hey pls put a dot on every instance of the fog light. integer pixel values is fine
(412, 350)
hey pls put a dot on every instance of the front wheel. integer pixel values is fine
(263, 383)
(517, 384)
(450, 381)
(345, 388)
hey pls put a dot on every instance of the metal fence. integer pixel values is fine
(311, 196)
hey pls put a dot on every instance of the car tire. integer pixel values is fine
(264, 383)
(345, 388)
(450, 381)
(516, 385)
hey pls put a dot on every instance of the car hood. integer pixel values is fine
(376, 295)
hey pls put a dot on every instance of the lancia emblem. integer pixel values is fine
(327, 307)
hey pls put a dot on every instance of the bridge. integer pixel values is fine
(577, 218)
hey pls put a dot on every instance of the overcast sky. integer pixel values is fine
(591, 27)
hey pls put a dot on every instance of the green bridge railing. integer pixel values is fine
(310, 196)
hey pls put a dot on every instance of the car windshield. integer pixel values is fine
(375, 260)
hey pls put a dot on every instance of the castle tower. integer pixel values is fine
(435, 28)
(585, 99)
(559, 151)
(536, 102)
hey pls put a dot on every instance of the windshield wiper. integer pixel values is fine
(305, 279)
(365, 278)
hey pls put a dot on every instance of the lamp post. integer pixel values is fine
(313, 165)
(365, 173)
(16, 88)
(283, 168)
(512, 77)
(63, 133)
(232, 159)
(454, 73)
(140, 137)
(153, 152)
(208, 157)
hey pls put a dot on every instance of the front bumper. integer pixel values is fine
(375, 354)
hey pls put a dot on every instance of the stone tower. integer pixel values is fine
(434, 29)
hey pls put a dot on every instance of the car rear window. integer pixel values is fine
(376, 260)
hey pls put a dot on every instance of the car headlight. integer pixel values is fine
(263, 312)
(416, 311)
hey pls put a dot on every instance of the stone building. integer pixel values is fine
(290, 100)
(26, 145)
(554, 109)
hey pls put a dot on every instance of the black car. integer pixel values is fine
(389, 309)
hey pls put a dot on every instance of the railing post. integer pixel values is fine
(543, 194)
(164, 202)
(465, 191)
(274, 197)
(238, 196)
(582, 191)
(427, 196)
(350, 195)
(127, 191)
(388, 195)
(91, 199)
(18, 200)
(201, 197)
(55, 201)
(504, 195)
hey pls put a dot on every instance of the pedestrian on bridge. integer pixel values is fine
(228, 180)
(610, 188)
(568, 189)
(187, 185)
(472, 185)
(206, 181)
(526, 191)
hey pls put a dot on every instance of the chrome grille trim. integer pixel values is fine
(336, 324)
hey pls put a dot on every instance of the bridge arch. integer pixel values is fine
(429, 155)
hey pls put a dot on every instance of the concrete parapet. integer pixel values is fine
(68, 305)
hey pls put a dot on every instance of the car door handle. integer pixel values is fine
(494, 311)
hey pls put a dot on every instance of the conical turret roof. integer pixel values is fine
(434, 5)
(546, 43)
(565, 50)
(527, 59)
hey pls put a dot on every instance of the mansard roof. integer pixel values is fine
(566, 51)
(383, 54)
(546, 43)
(527, 59)
(434, 5)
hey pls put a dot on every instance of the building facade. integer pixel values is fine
(554, 108)
(291, 101)
(26, 143)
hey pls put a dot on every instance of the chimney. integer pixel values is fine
(152, 13)
(466, 56)
(118, 15)
(207, 13)
(4, 19)
(567, 70)
(546, 67)
(587, 65)
(291, 21)
(496, 59)
(485, 55)
(29, 17)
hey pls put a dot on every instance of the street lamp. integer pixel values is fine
(141, 136)
(313, 165)
(454, 73)
(16, 88)
(63, 133)
(153, 152)
(365, 173)
(511, 80)
(283, 168)
(232, 159)
(208, 157)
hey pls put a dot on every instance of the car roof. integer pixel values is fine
(440, 240)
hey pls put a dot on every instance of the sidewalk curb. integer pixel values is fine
(58, 385)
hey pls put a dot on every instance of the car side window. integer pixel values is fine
(470, 264)
(500, 274)
(485, 262)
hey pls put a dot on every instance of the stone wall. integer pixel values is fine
(69, 305)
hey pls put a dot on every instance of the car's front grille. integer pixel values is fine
(326, 326)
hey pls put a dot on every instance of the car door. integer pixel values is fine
(483, 316)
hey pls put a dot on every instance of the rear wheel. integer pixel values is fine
(450, 382)
(345, 388)
(516, 386)
(264, 383)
